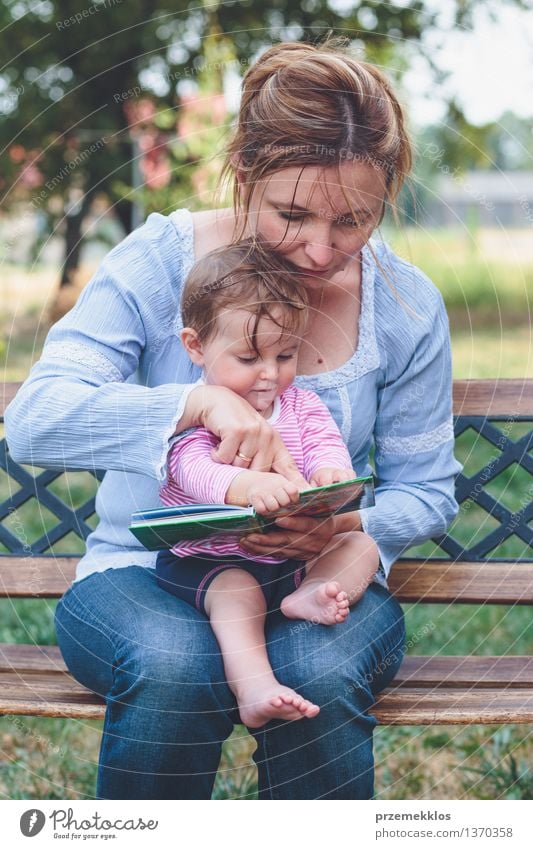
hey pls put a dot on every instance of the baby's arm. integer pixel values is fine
(193, 472)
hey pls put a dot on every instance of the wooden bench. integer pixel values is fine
(428, 689)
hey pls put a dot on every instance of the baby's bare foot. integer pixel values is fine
(259, 704)
(322, 602)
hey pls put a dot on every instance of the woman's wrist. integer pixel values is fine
(191, 412)
(194, 412)
(346, 522)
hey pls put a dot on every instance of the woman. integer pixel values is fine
(319, 151)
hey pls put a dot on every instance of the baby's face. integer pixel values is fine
(259, 377)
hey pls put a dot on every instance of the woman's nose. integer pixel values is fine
(320, 253)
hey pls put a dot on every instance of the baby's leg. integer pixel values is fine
(335, 580)
(236, 608)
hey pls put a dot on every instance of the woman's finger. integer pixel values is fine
(255, 450)
(226, 450)
(262, 457)
(247, 440)
(307, 538)
(284, 463)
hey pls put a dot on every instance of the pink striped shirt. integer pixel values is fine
(309, 433)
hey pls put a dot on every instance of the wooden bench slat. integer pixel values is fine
(56, 694)
(47, 694)
(512, 671)
(36, 577)
(454, 671)
(494, 582)
(52, 694)
(491, 582)
(31, 658)
(51, 682)
(412, 706)
(427, 690)
(7, 393)
(504, 397)
(62, 708)
(470, 397)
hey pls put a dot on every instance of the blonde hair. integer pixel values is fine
(305, 104)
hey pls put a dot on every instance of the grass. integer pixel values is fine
(57, 759)
(487, 274)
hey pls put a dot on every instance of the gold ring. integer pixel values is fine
(244, 457)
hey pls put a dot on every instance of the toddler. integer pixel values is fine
(244, 319)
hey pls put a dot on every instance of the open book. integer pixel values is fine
(163, 527)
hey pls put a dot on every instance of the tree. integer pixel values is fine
(89, 91)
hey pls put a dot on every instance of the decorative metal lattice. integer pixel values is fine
(468, 489)
(70, 519)
(472, 488)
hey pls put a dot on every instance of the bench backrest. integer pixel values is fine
(492, 414)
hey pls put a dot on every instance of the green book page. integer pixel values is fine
(165, 532)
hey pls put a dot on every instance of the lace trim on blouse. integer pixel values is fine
(183, 224)
(366, 356)
(419, 442)
(346, 410)
(84, 355)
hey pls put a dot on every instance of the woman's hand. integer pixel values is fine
(246, 438)
(299, 538)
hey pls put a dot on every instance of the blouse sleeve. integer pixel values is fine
(414, 441)
(81, 407)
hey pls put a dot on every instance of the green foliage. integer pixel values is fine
(93, 97)
(498, 767)
(462, 264)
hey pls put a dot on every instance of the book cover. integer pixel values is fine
(163, 527)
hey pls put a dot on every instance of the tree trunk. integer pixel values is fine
(123, 209)
(73, 238)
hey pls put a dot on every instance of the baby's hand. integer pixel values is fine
(268, 492)
(327, 475)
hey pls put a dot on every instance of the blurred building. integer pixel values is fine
(482, 198)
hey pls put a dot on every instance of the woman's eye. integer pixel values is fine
(290, 216)
(352, 222)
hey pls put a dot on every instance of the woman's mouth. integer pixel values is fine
(312, 272)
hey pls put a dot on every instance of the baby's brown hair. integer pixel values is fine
(243, 276)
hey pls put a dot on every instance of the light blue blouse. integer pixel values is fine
(113, 380)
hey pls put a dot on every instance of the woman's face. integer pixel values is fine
(305, 214)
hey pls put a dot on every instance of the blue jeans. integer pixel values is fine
(156, 662)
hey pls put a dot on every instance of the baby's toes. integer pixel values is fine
(331, 589)
(290, 699)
